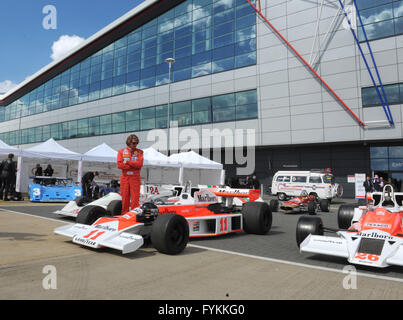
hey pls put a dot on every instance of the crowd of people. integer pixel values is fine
(377, 183)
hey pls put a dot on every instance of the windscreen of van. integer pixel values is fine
(299, 179)
(283, 179)
(328, 178)
(316, 179)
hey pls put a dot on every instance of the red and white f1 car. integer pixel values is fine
(203, 213)
(112, 202)
(370, 235)
(303, 203)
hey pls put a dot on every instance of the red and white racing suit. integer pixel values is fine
(130, 162)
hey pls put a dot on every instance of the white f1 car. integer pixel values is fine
(201, 214)
(370, 235)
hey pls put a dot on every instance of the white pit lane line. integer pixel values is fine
(297, 264)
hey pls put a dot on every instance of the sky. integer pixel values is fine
(28, 43)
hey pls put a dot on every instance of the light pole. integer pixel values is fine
(170, 61)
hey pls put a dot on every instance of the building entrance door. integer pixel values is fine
(397, 179)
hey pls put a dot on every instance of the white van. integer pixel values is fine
(292, 183)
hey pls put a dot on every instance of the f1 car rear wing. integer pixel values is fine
(249, 194)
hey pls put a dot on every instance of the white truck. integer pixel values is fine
(318, 183)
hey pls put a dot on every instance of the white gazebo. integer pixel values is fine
(49, 149)
(200, 168)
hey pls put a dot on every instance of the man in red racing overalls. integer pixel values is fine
(130, 161)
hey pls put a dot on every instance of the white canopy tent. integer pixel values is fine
(49, 149)
(162, 168)
(7, 149)
(197, 166)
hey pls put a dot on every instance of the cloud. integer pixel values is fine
(6, 86)
(64, 45)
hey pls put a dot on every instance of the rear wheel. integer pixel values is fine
(324, 205)
(257, 217)
(170, 233)
(90, 214)
(345, 215)
(306, 226)
(115, 207)
(81, 201)
(274, 205)
(312, 208)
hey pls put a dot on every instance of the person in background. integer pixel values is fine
(130, 161)
(381, 183)
(48, 171)
(255, 182)
(375, 183)
(369, 187)
(8, 170)
(38, 173)
(390, 182)
(86, 182)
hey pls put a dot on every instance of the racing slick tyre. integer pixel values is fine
(274, 205)
(308, 225)
(345, 215)
(324, 205)
(114, 208)
(90, 214)
(281, 196)
(170, 233)
(257, 217)
(81, 201)
(311, 208)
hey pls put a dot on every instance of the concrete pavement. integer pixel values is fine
(27, 245)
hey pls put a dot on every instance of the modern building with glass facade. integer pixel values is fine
(231, 72)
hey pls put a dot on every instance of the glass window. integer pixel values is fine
(133, 126)
(147, 124)
(283, 179)
(379, 164)
(248, 111)
(223, 16)
(224, 114)
(396, 164)
(246, 97)
(394, 152)
(181, 107)
(245, 60)
(223, 101)
(223, 65)
(298, 179)
(147, 113)
(316, 179)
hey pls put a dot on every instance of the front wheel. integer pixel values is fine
(281, 196)
(170, 233)
(345, 215)
(306, 226)
(89, 214)
(115, 207)
(257, 217)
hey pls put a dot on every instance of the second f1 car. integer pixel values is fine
(302, 203)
